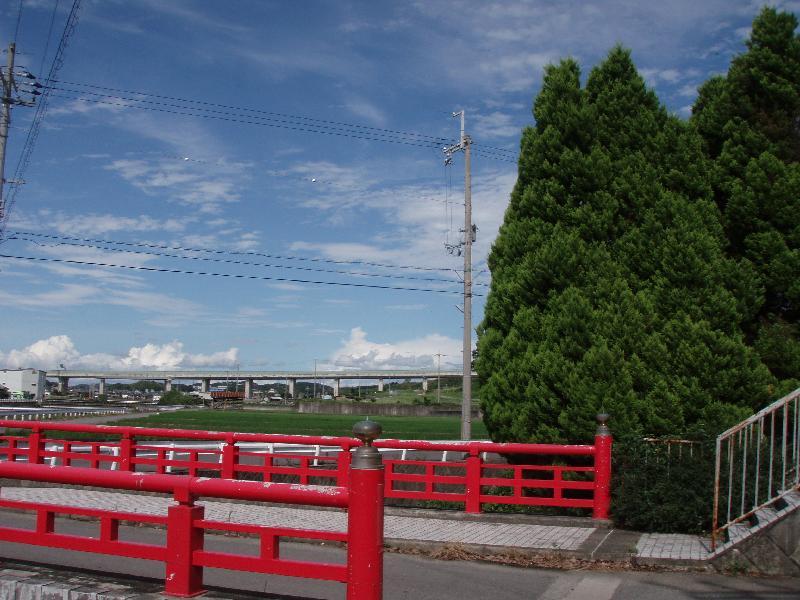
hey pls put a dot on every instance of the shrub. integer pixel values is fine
(174, 397)
(663, 487)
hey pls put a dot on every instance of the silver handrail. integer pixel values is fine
(757, 462)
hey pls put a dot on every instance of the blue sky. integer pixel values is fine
(232, 182)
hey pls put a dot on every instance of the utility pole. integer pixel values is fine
(5, 119)
(469, 232)
(11, 95)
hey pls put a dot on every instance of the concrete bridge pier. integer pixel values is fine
(248, 389)
(204, 385)
(425, 384)
(336, 385)
(380, 385)
(168, 385)
(63, 384)
(290, 383)
(101, 388)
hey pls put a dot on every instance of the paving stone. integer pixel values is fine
(396, 527)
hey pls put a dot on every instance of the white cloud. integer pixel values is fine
(363, 109)
(289, 287)
(358, 352)
(166, 307)
(419, 224)
(60, 349)
(208, 186)
(93, 223)
(495, 125)
(85, 106)
(406, 307)
(70, 294)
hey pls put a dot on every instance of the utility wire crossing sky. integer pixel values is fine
(296, 151)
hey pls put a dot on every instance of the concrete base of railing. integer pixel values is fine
(769, 547)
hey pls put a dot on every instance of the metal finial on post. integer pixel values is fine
(367, 456)
(602, 424)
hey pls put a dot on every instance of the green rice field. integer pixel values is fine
(421, 428)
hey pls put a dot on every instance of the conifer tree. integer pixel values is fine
(750, 121)
(610, 290)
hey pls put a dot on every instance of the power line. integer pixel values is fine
(19, 19)
(231, 118)
(49, 35)
(228, 115)
(270, 119)
(488, 150)
(41, 110)
(245, 263)
(438, 140)
(233, 252)
(227, 275)
(497, 149)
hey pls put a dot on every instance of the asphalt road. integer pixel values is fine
(411, 576)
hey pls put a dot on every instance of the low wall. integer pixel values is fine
(330, 407)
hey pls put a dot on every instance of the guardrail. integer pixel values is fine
(469, 477)
(757, 464)
(184, 554)
(42, 414)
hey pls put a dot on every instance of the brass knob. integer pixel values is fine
(367, 431)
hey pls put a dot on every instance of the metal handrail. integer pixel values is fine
(757, 462)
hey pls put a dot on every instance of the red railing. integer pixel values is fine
(184, 554)
(471, 480)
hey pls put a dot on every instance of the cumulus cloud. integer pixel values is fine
(358, 352)
(56, 350)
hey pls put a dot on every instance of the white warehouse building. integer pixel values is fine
(19, 381)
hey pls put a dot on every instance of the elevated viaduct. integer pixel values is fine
(290, 377)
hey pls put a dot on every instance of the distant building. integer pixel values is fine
(21, 382)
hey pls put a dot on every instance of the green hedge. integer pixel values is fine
(663, 487)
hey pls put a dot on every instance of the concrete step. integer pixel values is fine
(765, 516)
(737, 532)
(792, 499)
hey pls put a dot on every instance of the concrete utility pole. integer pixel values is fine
(5, 118)
(19, 92)
(469, 236)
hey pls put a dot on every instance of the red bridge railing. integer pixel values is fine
(472, 480)
(184, 554)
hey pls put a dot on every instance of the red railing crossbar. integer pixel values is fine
(183, 554)
(231, 461)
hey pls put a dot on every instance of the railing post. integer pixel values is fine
(183, 577)
(126, 452)
(343, 466)
(602, 469)
(229, 452)
(35, 446)
(365, 517)
(473, 486)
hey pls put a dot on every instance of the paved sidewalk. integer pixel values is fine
(495, 532)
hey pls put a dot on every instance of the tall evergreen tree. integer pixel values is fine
(610, 289)
(750, 121)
